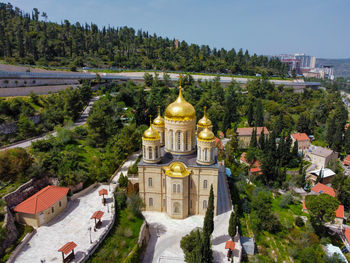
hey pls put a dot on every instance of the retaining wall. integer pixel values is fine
(13, 83)
(18, 249)
(83, 192)
(8, 128)
(40, 90)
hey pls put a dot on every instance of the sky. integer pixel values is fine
(266, 27)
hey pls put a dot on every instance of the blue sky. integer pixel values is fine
(316, 27)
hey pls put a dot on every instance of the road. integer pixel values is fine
(79, 122)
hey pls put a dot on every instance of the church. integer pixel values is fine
(179, 162)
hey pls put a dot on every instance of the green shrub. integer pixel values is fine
(121, 199)
(287, 200)
(299, 221)
(123, 181)
(134, 256)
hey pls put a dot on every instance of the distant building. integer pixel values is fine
(347, 160)
(320, 156)
(299, 62)
(255, 168)
(176, 43)
(244, 135)
(326, 175)
(43, 206)
(303, 141)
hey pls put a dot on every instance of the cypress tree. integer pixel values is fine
(250, 113)
(330, 131)
(232, 226)
(253, 141)
(347, 141)
(295, 149)
(259, 114)
(209, 215)
(262, 140)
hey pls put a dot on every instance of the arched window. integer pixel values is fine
(171, 140)
(163, 182)
(179, 140)
(205, 184)
(186, 140)
(205, 154)
(176, 208)
(174, 188)
(150, 202)
(205, 204)
(156, 152)
(191, 183)
(150, 182)
(199, 153)
(144, 151)
(211, 154)
(150, 153)
(178, 188)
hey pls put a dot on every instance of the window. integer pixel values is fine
(179, 141)
(171, 140)
(150, 182)
(176, 208)
(149, 152)
(205, 184)
(211, 154)
(163, 182)
(156, 152)
(191, 204)
(150, 201)
(144, 151)
(205, 154)
(59, 203)
(199, 153)
(174, 188)
(186, 140)
(205, 204)
(52, 209)
(178, 188)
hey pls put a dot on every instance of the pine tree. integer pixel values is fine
(347, 141)
(209, 215)
(253, 141)
(262, 140)
(259, 114)
(232, 226)
(295, 149)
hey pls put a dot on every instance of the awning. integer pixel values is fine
(97, 215)
(67, 248)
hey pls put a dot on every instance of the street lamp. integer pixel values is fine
(90, 234)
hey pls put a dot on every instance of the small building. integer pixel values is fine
(320, 156)
(43, 206)
(244, 135)
(303, 141)
(320, 188)
(255, 168)
(326, 175)
(248, 245)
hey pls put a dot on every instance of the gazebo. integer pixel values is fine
(230, 245)
(97, 216)
(66, 249)
(103, 192)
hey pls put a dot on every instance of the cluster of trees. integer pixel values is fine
(26, 38)
(197, 244)
(54, 109)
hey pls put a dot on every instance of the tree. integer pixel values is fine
(148, 78)
(303, 123)
(259, 114)
(347, 141)
(250, 113)
(230, 103)
(26, 128)
(191, 245)
(341, 184)
(14, 164)
(262, 140)
(253, 141)
(295, 149)
(321, 208)
(123, 181)
(233, 223)
(208, 226)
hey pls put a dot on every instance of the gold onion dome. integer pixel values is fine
(150, 133)
(176, 169)
(159, 121)
(204, 122)
(206, 135)
(180, 109)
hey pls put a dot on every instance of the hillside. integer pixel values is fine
(341, 66)
(25, 39)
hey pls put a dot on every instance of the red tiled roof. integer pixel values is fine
(249, 131)
(304, 206)
(339, 213)
(347, 160)
(230, 245)
(103, 192)
(67, 248)
(256, 167)
(300, 137)
(42, 200)
(98, 215)
(218, 143)
(323, 189)
(347, 234)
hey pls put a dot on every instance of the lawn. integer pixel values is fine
(120, 240)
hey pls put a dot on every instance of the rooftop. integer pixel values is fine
(323, 189)
(67, 248)
(347, 160)
(326, 172)
(42, 200)
(301, 137)
(320, 151)
(249, 131)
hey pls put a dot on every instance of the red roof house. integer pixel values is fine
(45, 205)
(256, 166)
(339, 213)
(300, 137)
(323, 189)
(347, 235)
(347, 160)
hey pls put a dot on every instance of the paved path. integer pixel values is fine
(71, 225)
(79, 122)
(129, 162)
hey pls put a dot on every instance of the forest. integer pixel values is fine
(32, 39)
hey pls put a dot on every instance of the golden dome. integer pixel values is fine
(176, 169)
(180, 110)
(159, 121)
(206, 135)
(150, 134)
(204, 122)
